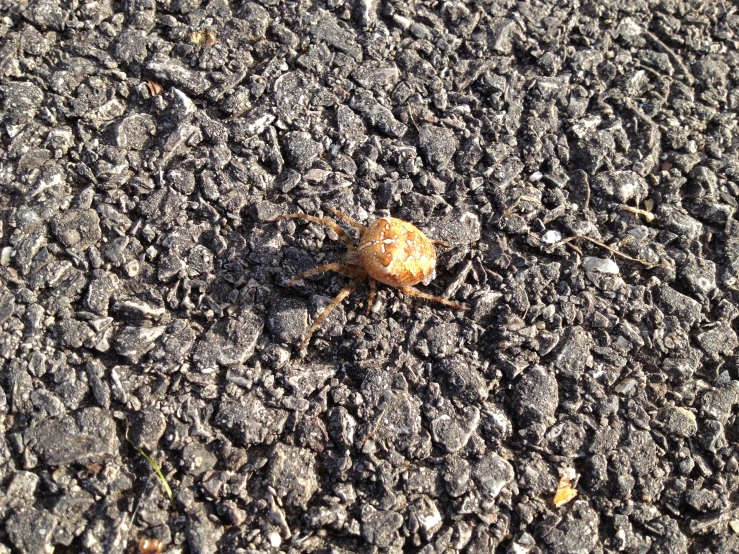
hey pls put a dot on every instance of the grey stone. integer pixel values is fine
(341, 426)
(376, 114)
(136, 132)
(288, 320)
(624, 186)
(229, 341)
(255, 21)
(22, 488)
(7, 305)
(250, 421)
(676, 220)
(711, 71)
(201, 533)
(439, 144)
(442, 339)
(100, 292)
(31, 530)
(456, 228)
(675, 303)
(165, 70)
(491, 474)
(719, 341)
(717, 402)
(147, 427)
(350, 124)
(47, 14)
(456, 476)
(401, 423)
(130, 47)
(73, 333)
(452, 433)
(381, 527)
(292, 474)
(88, 436)
(536, 396)
(576, 534)
(197, 459)
(78, 228)
(135, 342)
(300, 149)
(463, 378)
(502, 30)
(98, 383)
(574, 354)
(70, 509)
(712, 435)
(678, 421)
(329, 30)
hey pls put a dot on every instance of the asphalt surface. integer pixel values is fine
(579, 158)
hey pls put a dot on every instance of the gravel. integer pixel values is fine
(581, 163)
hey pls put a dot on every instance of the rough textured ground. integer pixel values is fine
(146, 147)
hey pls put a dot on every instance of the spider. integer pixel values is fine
(390, 250)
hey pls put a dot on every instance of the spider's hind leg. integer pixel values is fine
(372, 293)
(413, 292)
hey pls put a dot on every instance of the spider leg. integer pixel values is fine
(372, 293)
(440, 243)
(323, 221)
(339, 268)
(348, 220)
(346, 291)
(413, 292)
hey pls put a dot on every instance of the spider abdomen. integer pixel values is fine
(396, 253)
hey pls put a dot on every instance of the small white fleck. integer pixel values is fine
(551, 237)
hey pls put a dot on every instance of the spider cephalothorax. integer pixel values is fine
(390, 250)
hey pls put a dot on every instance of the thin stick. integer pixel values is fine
(611, 250)
(678, 61)
(649, 216)
(509, 210)
(374, 429)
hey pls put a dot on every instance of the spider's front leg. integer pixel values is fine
(339, 268)
(346, 239)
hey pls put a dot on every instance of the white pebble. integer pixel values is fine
(600, 265)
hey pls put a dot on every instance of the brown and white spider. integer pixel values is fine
(390, 250)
